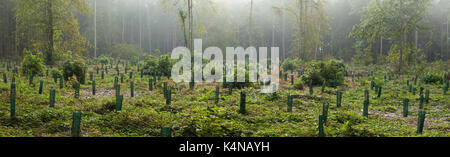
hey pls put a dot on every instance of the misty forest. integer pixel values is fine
(102, 68)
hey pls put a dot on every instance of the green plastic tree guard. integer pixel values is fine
(5, 80)
(165, 89)
(76, 124)
(323, 86)
(289, 103)
(132, 88)
(166, 132)
(217, 94)
(325, 111)
(230, 88)
(421, 100)
(31, 78)
(321, 130)
(13, 100)
(169, 97)
(405, 107)
(421, 122)
(242, 109)
(379, 91)
(150, 84)
(93, 87)
(338, 98)
(119, 102)
(52, 97)
(292, 79)
(41, 86)
(366, 108)
(77, 90)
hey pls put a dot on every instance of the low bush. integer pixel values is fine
(317, 72)
(430, 78)
(74, 68)
(33, 63)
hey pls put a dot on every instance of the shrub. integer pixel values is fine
(74, 68)
(33, 63)
(154, 65)
(55, 71)
(430, 78)
(165, 65)
(103, 60)
(299, 84)
(291, 65)
(328, 71)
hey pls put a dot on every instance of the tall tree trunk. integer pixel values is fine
(402, 36)
(50, 49)
(140, 23)
(283, 34)
(416, 40)
(250, 33)
(381, 46)
(191, 24)
(300, 27)
(447, 50)
(123, 27)
(95, 28)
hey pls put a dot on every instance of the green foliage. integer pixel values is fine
(153, 65)
(318, 71)
(126, 51)
(74, 68)
(431, 78)
(244, 84)
(33, 63)
(299, 84)
(165, 64)
(103, 60)
(292, 65)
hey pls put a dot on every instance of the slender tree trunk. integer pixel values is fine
(123, 28)
(140, 23)
(191, 24)
(300, 28)
(381, 46)
(250, 33)
(95, 28)
(283, 34)
(416, 41)
(402, 36)
(447, 43)
(50, 49)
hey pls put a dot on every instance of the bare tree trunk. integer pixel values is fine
(416, 42)
(191, 21)
(447, 51)
(283, 34)
(50, 49)
(381, 46)
(300, 26)
(140, 23)
(123, 28)
(95, 29)
(250, 33)
(401, 39)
